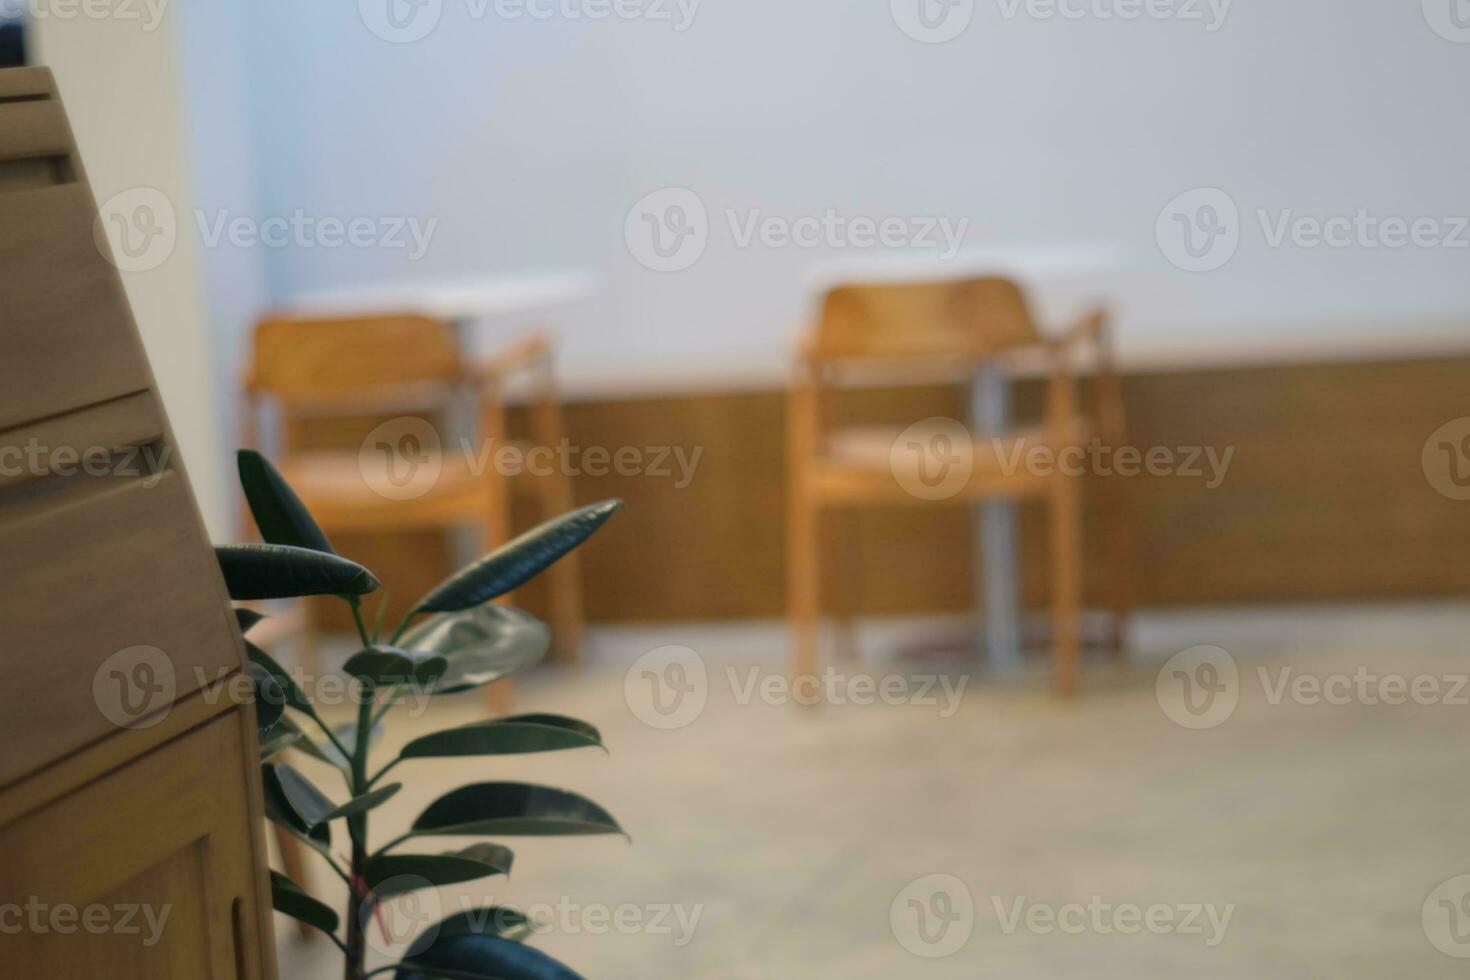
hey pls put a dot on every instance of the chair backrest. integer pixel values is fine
(300, 358)
(959, 318)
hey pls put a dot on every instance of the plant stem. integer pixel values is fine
(357, 825)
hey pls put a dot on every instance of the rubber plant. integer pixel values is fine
(453, 639)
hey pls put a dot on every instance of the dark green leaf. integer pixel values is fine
(278, 571)
(279, 809)
(514, 810)
(490, 920)
(467, 956)
(287, 897)
(247, 618)
(496, 855)
(481, 645)
(310, 803)
(295, 697)
(279, 514)
(382, 666)
(268, 695)
(506, 736)
(396, 874)
(363, 803)
(517, 561)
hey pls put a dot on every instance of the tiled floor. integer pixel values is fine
(797, 836)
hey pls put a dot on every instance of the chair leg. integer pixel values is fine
(293, 863)
(843, 557)
(803, 586)
(1066, 528)
(1125, 567)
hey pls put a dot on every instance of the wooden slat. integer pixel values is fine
(33, 128)
(92, 569)
(68, 334)
(34, 451)
(24, 83)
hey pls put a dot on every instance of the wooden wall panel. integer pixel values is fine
(1325, 499)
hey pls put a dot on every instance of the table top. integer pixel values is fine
(459, 299)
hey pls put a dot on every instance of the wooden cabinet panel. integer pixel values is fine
(95, 567)
(164, 887)
(69, 337)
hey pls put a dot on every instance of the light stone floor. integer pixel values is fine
(797, 836)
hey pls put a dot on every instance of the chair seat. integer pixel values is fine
(864, 459)
(346, 493)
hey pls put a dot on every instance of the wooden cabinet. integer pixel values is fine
(131, 831)
(145, 873)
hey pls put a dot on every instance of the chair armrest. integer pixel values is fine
(529, 353)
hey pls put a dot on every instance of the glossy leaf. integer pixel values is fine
(279, 514)
(268, 696)
(496, 855)
(516, 735)
(466, 956)
(481, 645)
(288, 897)
(279, 809)
(278, 571)
(397, 874)
(310, 803)
(383, 666)
(514, 810)
(364, 803)
(294, 696)
(490, 920)
(517, 561)
(247, 618)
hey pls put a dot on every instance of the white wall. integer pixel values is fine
(122, 84)
(530, 139)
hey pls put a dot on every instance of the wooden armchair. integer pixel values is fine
(407, 475)
(923, 332)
